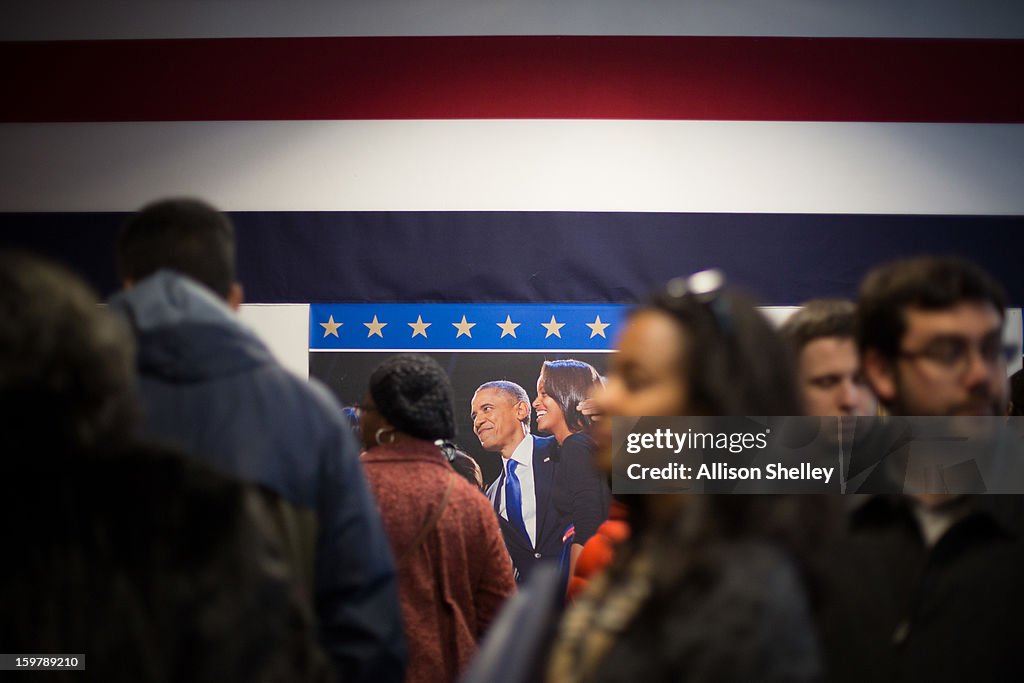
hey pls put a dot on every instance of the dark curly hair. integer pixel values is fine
(412, 391)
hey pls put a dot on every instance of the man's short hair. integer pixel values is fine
(186, 235)
(818, 319)
(513, 390)
(930, 283)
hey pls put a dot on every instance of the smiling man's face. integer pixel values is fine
(497, 420)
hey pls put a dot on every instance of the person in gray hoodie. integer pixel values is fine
(210, 386)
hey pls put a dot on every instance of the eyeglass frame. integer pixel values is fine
(959, 362)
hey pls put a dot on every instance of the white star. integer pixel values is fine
(331, 327)
(464, 328)
(553, 328)
(375, 328)
(508, 327)
(419, 327)
(597, 327)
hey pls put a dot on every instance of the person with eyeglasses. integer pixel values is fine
(932, 338)
(927, 587)
(707, 587)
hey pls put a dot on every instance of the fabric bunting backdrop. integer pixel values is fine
(529, 153)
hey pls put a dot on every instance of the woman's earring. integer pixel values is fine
(391, 432)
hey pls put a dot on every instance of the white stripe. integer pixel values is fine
(107, 19)
(522, 165)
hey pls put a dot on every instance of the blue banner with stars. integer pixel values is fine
(464, 327)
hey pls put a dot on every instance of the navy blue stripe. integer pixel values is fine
(571, 257)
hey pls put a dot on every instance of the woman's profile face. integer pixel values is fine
(644, 377)
(370, 420)
(550, 418)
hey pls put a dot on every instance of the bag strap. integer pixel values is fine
(430, 523)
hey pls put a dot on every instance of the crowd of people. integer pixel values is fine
(182, 508)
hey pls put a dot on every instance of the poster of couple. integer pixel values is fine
(522, 379)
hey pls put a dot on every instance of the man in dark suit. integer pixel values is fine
(521, 494)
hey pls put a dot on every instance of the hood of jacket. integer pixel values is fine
(184, 332)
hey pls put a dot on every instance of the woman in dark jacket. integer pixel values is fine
(454, 572)
(152, 565)
(580, 492)
(712, 587)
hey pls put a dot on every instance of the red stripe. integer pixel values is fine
(618, 77)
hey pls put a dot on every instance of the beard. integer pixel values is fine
(980, 401)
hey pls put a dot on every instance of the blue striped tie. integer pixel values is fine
(514, 500)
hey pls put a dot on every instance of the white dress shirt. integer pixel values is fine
(523, 454)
